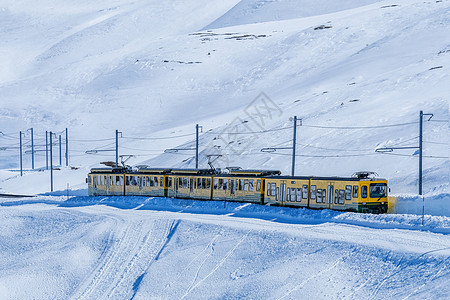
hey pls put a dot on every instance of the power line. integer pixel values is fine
(334, 149)
(158, 138)
(437, 143)
(360, 127)
(413, 156)
(93, 140)
(251, 132)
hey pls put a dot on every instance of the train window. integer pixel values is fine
(225, 184)
(258, 185)
(169, 182)
(216, 183)
(273, 189)
(348, 192)
(185, 182)
(289, 196)
(246, 185)
(305, 192)
(364, 191)
(324, 195)
(319, 196)
(378, 190)
(161, 181)
(135, 180)
(299, 195)
(220, 183)
(121, 180)
(336, 196)
(268, 189)
(203, 183)
(127, 180)
(313, 192)
(199, 183)
(156, 181)
(341, 196)
(241, 184)
(250, 185)
(355, 191)
(180, 182)
(208, 183)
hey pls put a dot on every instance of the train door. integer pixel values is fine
(330, 196)
(191, 186)
(232, 188)
(283, 192)
(175, 186)
(107, 183)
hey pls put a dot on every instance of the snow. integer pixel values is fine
(116, 247)
(153, 70)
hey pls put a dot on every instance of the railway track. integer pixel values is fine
(15, 196)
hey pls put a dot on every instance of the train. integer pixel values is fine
(362, 192)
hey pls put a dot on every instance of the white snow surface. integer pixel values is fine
(159, 248)
(356, 72)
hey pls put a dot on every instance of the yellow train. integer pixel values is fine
(359, 193)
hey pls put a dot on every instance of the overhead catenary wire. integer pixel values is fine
(413, 156)
(157, 138)
(250, 132)
(359, 127)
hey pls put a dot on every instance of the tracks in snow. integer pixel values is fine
(130, 249)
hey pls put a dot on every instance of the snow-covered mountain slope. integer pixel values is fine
(155, 69)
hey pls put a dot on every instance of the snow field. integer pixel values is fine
(102, 252)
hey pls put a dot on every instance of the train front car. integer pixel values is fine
(373, 193)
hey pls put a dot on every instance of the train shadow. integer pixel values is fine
(300, 216)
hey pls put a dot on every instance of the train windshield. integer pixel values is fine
(378, 190)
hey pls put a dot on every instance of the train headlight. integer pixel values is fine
(364, 203)
(382, 202)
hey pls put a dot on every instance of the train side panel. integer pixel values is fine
(189, 186)
(287, 191)
(240, 189)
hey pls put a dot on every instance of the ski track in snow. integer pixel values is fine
(129, 247)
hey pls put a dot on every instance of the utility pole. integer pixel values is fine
(117, 148)
(196, 146)
(67, 147)
(421, 147)
(294, 141)
(32, 150)
(60, 152)
(21, 172)
(51, 162)
(46, 150)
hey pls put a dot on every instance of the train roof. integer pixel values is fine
(154, 170)
(108, 170)
(335, 178)
(192, 171)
